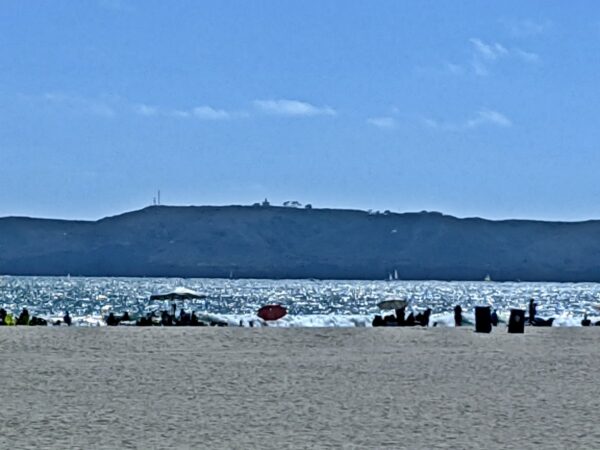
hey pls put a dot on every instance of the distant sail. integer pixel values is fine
(395, 274)
(487, 277)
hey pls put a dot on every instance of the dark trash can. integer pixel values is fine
(516, 321)
(483, 319)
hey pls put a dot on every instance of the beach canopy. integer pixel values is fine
(392, 304)
(179, 293)
(271, 312)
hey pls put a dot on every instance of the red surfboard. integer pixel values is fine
(271, 312)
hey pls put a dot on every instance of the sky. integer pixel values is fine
(470, 108)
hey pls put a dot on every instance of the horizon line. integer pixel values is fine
(299, 206)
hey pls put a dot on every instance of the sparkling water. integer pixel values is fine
(309, 302)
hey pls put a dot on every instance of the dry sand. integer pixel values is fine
(149, 388)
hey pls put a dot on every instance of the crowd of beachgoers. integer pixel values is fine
(484, 315)
(180, 317)
(159, 318)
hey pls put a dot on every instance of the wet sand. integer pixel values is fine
(90, 388)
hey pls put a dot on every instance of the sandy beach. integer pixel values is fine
(99, 388)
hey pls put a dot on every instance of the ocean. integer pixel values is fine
(310, 303)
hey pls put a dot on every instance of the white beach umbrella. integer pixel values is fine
(179, 293)
(392, 304)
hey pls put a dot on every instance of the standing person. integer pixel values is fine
(425, 318)
(400, 316)
(457, 316)
(67, 318)
(494, 318)
(532, 311)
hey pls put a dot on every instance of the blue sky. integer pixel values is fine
(471, 108)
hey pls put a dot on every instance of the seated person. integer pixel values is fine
(23, 318)
(378, 321)
(586, 322)
(423, 318)
(390, 319)
(112, 320)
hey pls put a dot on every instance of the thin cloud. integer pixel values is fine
(385, 123)
(204, 112)
(431, 123)
(483, 117)
(179, 113)
(79, 104)
(527, 56)
(283, 107)
(486, 54)
(479, 68)
(444, 68)
(109, 106)
(455, 69)
(489, 51)
(209, 113)
(145, 110)
(488, 116)
(525, 27)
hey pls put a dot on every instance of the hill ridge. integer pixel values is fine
(287, 242)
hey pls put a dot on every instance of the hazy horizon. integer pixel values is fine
(280, 205)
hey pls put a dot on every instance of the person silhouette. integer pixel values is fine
(532, 311)
(400, 312)
(67, 318)
(23, 318)
(495, 318)
(457, 316)
(111, 320)
(586, 322)
(424, 319)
